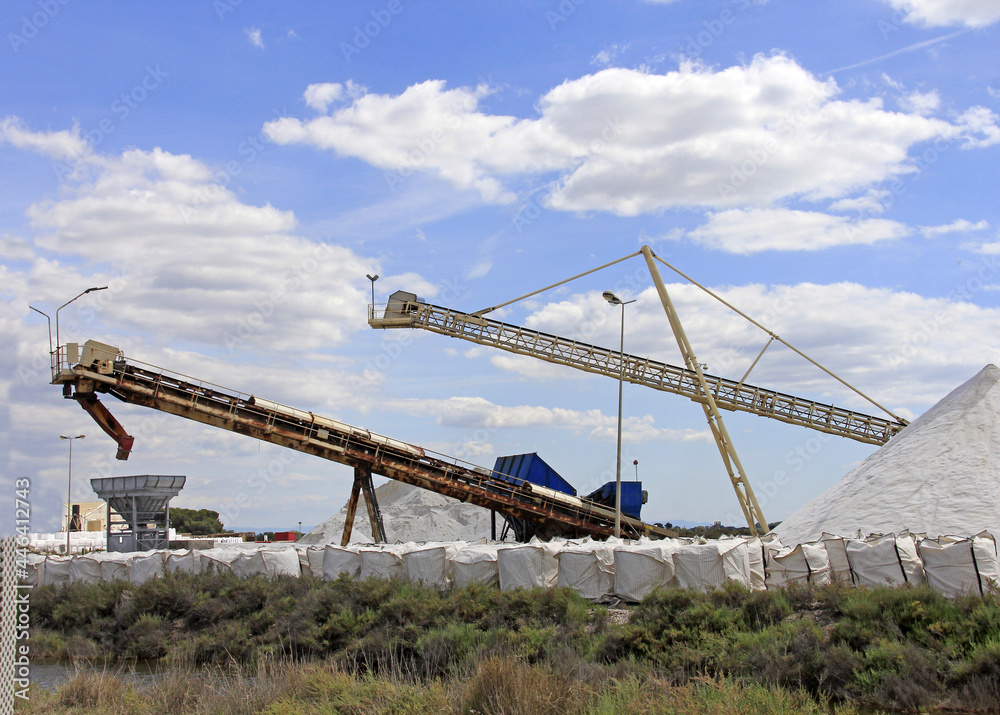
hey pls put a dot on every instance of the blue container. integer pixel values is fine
(632, 500)
(530, 468)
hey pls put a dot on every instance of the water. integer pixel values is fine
(52, 674)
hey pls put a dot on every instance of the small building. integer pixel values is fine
(85, 516)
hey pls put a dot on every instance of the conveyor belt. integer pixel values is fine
(142, 384)
(728, 394)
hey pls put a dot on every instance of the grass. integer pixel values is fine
(494, 685)
(480, 650)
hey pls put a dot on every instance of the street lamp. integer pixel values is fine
(89, 290)
(69, 488)
(372, 278)
(615, 300)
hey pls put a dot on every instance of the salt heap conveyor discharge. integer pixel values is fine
(99, 368)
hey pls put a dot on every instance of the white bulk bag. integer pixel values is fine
(34, 570)
(145, 566)
(338, 560)
(836, 551)
(805, 563)
(245, 565)
(430, 564)
(381, 562)
(756, 559)
(114, 565)
(218, 560)
(531, 565)
(56, 570)
(885, 561)
(276, 562)
(702, 567)
(186, 561)
(641, 567)
(588, 569)
(84, 569)
(476, 564)
(956, 567)
(311, 560)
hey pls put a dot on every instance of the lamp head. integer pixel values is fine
(611, 298)
(91, 290)
(372, 278)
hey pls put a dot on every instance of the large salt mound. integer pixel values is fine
(940, 475)
(409, 514)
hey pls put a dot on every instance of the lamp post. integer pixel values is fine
(89, 290)
(615, 300)
(69, 487)
(372, 278)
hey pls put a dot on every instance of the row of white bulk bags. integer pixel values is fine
(956, 566)
(476, 563)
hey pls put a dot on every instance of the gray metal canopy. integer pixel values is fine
(151, 494)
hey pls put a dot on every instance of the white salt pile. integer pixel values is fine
(409, 514)
(940, 475)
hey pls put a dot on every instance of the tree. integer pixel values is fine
(198, 522)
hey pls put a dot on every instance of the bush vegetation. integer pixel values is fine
(197, 522)
(480, 650)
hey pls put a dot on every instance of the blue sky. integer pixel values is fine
(233, 170)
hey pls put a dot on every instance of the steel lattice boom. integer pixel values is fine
(728, 394)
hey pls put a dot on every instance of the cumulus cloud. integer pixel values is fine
(939, 13)
(320, 96)
(747, 231)
(632, 142)
(192, 262)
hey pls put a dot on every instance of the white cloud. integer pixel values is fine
(747, 231)
(13, 248)
(253, 34)
(979, 128)
(320, 96)
(608, 55)
(632, 142)
(191, 262)
(959, 226)
(939, 13)
(479, 413)
(63, 144)
(922, 103)
(874, 201)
